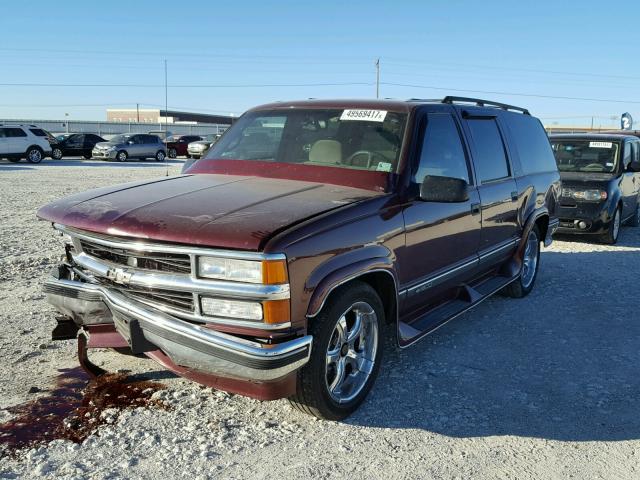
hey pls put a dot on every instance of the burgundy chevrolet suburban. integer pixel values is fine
(275, 266)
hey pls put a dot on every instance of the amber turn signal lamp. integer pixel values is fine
(274, 272)
(276, 311)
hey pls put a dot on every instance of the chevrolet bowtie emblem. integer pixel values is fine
(119, 275)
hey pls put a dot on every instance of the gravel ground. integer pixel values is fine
(545, 387)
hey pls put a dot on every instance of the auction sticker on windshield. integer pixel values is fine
(600, 144)
(364, 115)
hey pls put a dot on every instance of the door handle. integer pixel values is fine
(514, 196)
(475, 209)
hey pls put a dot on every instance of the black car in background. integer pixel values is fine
(74, 145)
(600, 183)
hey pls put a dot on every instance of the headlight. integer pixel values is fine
(217, 307)
(590, 195)
(251, 271)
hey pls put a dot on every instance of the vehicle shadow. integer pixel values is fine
(561, 364)
(8, 167)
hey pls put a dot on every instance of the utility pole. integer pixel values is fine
(138, 112)
(166, 102)
(378, 78)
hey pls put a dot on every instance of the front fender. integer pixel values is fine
(343, 268)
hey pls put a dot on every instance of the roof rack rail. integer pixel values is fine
(481, 103)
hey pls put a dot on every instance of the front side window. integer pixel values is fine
(120, 139)
(442, 153)
(342, 138)
(489, 156)
(38, 132)
(594, 156)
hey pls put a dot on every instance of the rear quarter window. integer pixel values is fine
(532, 144)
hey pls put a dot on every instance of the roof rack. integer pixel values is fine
(481, 103)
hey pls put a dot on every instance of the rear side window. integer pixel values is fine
(532, 144)
(38, 132)
(490, 159)
(442, 152)
(14, 132)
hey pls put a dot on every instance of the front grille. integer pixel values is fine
(156, 261)
(168, 298)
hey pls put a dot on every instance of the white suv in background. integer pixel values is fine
(23, 141)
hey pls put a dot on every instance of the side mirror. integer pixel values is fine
(130, 142)
(444, 189)
(634, 167)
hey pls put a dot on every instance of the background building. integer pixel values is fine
(156, 115)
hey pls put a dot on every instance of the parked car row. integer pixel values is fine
(34, 144)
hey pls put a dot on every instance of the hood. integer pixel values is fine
(201, 142)
(107, 144)
(599, 180)
(226, 211)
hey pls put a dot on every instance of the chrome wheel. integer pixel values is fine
(34, 155)
(351, 352)
(122, 157)
(56, 154)
(173, 153)
(616, 225)
(530, 260)
(160, 156)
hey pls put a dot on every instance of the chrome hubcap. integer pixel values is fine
(351, 352)
(160, 156)
(57, 153)
(530, 260)
(616, 224)
(34, 155)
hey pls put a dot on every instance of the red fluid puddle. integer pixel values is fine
(72, 410)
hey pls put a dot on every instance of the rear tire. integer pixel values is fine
(173, 153)
(87, 156)
(34, 155)
(522, 286)
(611, 237)
(346, 354)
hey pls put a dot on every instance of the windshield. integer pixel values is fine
(120, 139)
(586, 155)
(353, 139)
(63, 137)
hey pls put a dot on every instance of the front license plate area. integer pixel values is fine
(130, 329)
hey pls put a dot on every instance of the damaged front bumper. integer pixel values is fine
(189, 345)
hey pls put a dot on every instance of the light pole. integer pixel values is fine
(66, 118)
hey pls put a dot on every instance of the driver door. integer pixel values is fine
(442, 239)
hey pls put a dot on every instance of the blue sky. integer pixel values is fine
(228, 56)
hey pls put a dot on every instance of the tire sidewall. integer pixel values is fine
(322, 329)
(126, 157)
(164, 156)
(56, 156)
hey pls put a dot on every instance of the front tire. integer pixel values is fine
(635, 220)
(122, 156)
(522, 286)
(56, 154)
(34, 155)
(611, 237)
(160, 156)
(346, 354)
(173, 153)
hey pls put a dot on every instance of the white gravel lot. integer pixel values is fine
(544, 387)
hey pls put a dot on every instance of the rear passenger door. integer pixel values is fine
(18, 140)
(497, 188)
(629, 181)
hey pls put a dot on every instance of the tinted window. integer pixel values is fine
(38, 132)
(626, 159)
(490, 159)
(151, 139)
(532, 144)
(2, 132)
(442, 152)
(14, 132)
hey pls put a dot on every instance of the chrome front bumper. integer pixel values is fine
(187, 344)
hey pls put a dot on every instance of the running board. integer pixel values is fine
(468, 297)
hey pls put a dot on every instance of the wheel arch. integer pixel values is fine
(378, 275)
